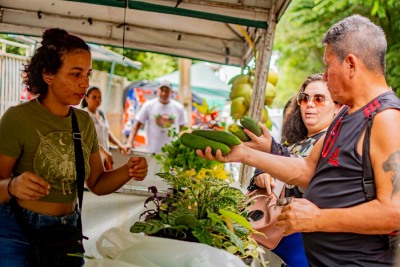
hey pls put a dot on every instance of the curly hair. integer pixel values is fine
(56, 43)
(293, 128)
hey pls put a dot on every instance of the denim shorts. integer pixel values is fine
(14, 247)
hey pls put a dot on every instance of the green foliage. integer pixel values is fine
(175, 155)
(13, 49)
(300, 31)
(153, 65)
(204, 210)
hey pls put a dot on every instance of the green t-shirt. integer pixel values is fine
(42, 143)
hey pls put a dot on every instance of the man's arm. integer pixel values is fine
(379, 216)
(295, 171)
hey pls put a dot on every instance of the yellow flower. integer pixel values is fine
(217, 171)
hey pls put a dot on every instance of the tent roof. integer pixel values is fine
(202, 80)
(98, 52)
(206, 30)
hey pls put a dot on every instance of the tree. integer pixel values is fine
(301, 28)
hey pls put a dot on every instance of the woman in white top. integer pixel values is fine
(91, 103)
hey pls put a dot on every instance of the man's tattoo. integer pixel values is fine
(393, 164)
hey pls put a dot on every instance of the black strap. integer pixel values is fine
(368, 173)
(79, 160)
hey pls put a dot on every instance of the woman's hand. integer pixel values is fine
(264, 180)
(28, 186)
(124, 149)
(262, 142)
(137, 168)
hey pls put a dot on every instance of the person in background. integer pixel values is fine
(342, 223)
(37, 159)
(309, 115)
(161, 114)
(91, 103)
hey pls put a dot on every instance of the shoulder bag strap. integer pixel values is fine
(368, 173)
(79, 162)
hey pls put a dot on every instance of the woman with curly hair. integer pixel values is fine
(37, 160)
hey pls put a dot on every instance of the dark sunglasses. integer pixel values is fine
(303, 99)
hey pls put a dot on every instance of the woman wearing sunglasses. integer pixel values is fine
(310, 114)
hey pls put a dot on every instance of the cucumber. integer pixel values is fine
(198, 142)
(251, 125)
(237, 130)
(219, 136)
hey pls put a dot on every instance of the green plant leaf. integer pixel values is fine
(232, 237)
(188, 220)
(237, 218)
(232, 249)
(150, 227)
(203, 235)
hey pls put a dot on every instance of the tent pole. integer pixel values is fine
(185, 91)
(110, 76)
(264, 49)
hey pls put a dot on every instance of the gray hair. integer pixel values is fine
(359, 36)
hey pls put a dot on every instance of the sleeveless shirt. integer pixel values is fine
(338, 183)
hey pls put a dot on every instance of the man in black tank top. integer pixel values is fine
(340, 225)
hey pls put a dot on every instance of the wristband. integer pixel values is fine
(9, 187)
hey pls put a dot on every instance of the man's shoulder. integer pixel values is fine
(150, 102)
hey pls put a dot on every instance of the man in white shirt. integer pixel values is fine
(161, 114)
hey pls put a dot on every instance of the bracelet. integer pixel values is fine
(9, 186)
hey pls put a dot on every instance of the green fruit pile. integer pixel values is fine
(241, 92)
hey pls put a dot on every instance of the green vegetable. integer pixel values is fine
(198, 142)
(251, 124)
(237, 130)
(219, 136)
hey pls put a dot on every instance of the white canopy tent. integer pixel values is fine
(206, 30)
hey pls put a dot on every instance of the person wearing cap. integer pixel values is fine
(161, 114)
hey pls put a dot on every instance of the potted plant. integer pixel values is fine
(205, 210)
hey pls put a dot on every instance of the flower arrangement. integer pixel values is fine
(205, 210)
